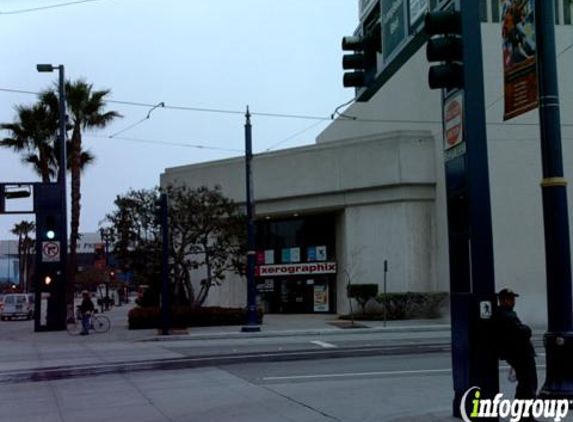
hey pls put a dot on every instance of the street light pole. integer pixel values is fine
(559, 337)
(62, 179)
(252, 323)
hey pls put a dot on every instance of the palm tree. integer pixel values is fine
(33, 134)
(25, 246)
(86, 110)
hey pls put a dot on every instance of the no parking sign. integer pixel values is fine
(50, 251)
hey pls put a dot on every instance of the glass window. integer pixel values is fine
(483, 10)
(567, 4)
(495, 10)
(556, 12)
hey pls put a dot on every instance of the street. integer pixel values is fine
(386, 388)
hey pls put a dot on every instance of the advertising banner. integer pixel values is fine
(321, 298)
(519, 57)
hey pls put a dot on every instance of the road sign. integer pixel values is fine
(453, 120)
(51, 251)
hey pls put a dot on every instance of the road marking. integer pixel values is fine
(324, 344)
(359, 374)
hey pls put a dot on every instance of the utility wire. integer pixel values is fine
(300, 132)
(347, 119)
(167, 143)
(161, 104)
(53, 6)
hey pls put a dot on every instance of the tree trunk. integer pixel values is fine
(75, 151)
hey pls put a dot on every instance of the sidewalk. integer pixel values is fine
(22, 349)
(183, 392)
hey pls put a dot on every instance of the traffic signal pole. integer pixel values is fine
(472, 288)
(559, 337)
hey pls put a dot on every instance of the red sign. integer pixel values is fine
(453, 121)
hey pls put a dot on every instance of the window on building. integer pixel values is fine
(556, 12)
(483, 10)
(495, 10)
(567, 5)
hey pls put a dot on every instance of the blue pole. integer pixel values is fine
(559, 337)
(252, 323)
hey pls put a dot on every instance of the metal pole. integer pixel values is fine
(165, 302)
(385, 293)
(559, 337)
(252, 323)
(64, 217)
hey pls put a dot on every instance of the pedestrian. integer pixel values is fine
(86, 309)
(514, 345)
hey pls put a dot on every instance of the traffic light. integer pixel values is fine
(446, 46)
(363, 61)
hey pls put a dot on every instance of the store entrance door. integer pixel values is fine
(293, 296)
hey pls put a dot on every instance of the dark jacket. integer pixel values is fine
(87, 305)
(513, 337)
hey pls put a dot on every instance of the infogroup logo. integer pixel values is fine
(514, 409)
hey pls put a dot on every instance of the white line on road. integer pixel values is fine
(360, 374)
(323, 344)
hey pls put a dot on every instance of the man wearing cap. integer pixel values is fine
(514, 345)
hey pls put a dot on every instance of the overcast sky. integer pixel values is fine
(277, 56)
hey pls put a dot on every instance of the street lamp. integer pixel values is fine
(252, 323)
(62, 169)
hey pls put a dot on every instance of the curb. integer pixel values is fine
(62, 372)
(294, 333)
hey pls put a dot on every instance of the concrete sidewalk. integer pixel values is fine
(22, 349)
(182, 392)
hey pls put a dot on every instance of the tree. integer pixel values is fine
(25, 247)
(33, 135)
(135, 236)
(86, 109)
(208, 231)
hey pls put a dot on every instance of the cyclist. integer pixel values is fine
(86, 308)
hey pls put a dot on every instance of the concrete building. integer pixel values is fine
(380, 179)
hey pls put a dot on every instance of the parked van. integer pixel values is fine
(17, 305)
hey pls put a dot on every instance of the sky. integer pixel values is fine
(275, 56)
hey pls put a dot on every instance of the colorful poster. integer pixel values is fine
(311, 254)
(285, 255)
(321, 253)
(519, 57)
(269, 256)
(295, 255)
(260, 258)
(321, 298)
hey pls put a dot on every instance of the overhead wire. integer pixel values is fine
(161, 104)
(52, 6)
(168, 143)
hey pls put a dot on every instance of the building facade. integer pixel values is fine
(380, 179)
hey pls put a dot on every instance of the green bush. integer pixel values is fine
(410, 305)
(362, 293)
(186, 316)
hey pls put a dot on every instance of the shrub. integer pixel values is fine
(410, 305)
(362, 293)
(186, 316)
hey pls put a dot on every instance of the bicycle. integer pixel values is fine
(97, 324)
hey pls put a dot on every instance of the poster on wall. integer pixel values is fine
(295, 255)
(519, 57)
(321, 298)
(321, 253)
(269, 256)
(285, 255)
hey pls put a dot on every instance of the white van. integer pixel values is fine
(17, 305)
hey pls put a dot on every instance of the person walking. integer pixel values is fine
(86, 309)
(514, 345)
